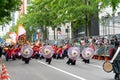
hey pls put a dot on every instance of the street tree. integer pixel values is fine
(6, 7)
(56, 12)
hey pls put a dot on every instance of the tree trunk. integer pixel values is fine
(44, 32)
(54, 34)
(89, 28)
(89, 25)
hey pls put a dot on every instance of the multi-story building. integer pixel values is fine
(61, 32)
(109, 23)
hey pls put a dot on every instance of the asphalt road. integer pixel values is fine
(57, 70)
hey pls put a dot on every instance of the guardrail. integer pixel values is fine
(102, 52)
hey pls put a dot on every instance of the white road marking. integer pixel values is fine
(94, 65)
(73, 75)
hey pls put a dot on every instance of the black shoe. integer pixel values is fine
(117, 76)
(73, 62)
(49, 61)
(68, 62)
(88, 61)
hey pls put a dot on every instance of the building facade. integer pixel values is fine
(109, 24)
(103, 26)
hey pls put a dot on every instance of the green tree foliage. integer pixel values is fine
(55, 12)
(14, 29)
(6, 7)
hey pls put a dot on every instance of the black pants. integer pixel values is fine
(116, 69)
(117, 76)
(26, 60)
(86, 61)
(65, 54)
(54, 56)
(59, 56)
(48, 60)
(70, 61)
(0, 54)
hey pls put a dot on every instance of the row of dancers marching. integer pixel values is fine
(52, 51)
(14, 51)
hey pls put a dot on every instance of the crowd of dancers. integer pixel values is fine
(48, 52)
(59, 52)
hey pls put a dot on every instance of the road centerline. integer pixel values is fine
(97, 66)
(73, 75)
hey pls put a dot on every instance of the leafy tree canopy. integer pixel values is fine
(6, 7)
(55, 12)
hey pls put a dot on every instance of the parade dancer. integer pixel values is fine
(55, 48)
(73, 54)
(113, 64)
(36, 51)
(87, 54)
(59, 52)
(17, 51)
(116, 65)
(10, 52)
(26, 53)
(65, 50)
(47, 52)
